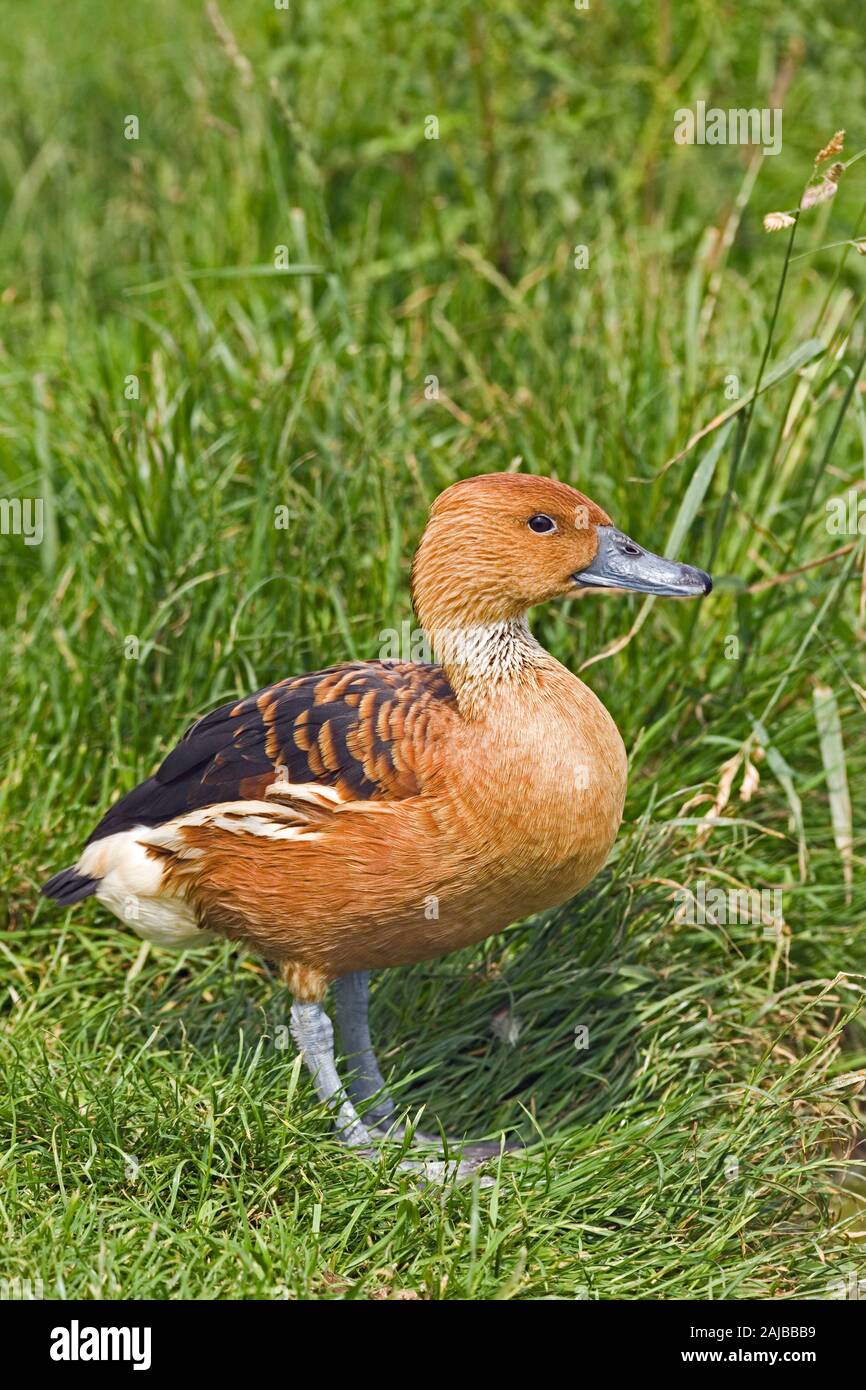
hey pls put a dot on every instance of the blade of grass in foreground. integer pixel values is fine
(801, 357)
(235, 272)
(832, 748)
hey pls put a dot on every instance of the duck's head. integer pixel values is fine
(500, 543)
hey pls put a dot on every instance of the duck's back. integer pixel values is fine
(356, 731)
(357, 728)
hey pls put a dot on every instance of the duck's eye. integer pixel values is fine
(541, 524)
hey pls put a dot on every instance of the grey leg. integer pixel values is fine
(351, 993)
(314, 1035)
(351, 996)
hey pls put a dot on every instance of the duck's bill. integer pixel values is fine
(620, 563)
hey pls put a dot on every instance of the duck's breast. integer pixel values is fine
(539, 784)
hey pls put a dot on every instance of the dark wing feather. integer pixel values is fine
(358, 728)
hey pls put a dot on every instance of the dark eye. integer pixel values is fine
(541, 524)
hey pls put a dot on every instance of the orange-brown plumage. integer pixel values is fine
(497, 828)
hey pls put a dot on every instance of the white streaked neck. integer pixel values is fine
(482, 660)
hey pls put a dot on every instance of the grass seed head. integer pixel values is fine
(775, 221)
(834, 147)
(816, 193)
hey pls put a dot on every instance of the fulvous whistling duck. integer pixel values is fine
(379, 813)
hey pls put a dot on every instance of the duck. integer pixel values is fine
(380, 813)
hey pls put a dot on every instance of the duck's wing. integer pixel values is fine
(361, 729)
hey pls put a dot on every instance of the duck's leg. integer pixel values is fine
(314, 1034)
(351, 1002)
(351, 997)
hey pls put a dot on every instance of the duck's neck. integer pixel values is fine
(488, 662)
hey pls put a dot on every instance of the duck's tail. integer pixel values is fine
(69, 886)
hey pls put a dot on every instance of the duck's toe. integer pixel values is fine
(483, 1149)
(440, 1172)
(466, 1155)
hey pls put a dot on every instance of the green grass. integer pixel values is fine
(159, 1140)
